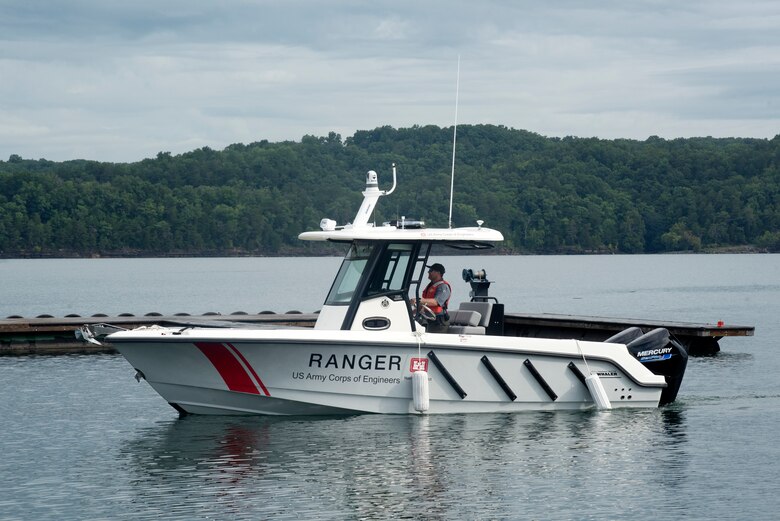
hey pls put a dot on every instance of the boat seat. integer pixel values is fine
(463, 322)
(475, 318)
(462, 317)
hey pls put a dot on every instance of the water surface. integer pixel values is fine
(81, 439)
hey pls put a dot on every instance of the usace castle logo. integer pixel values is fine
(418, 364)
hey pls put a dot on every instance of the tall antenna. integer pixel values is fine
(454, 139)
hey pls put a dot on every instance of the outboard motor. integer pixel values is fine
(662, 355)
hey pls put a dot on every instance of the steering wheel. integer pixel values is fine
(425, 313)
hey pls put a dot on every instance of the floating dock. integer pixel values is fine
(698, 339)
(54, 336)
(57, 336)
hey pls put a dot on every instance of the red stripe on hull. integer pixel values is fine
(249, 366)
(230, 369)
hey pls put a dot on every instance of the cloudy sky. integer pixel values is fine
(121, 81)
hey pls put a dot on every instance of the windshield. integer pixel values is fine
(349, 275)
(391, 271)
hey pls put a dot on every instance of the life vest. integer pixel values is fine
(430, 292)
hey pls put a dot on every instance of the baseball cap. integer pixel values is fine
(436, 267)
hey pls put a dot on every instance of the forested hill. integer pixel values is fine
(546, 195)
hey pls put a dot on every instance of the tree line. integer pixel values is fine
(547, 195)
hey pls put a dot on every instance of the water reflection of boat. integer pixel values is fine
(368, 343)
(479, 466)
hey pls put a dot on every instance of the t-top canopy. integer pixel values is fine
(391, 233)
(361, 229)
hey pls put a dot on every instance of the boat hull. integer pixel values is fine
(315, 373)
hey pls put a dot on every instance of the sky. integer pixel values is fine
(121, 81)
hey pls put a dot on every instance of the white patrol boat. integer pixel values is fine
(369, 351)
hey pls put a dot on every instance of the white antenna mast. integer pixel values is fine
(454, 139)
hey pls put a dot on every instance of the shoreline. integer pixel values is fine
(741, 249)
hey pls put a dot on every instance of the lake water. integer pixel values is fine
(81, 439)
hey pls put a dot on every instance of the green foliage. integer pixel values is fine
(546, 195)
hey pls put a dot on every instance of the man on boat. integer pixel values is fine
(436, 296)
